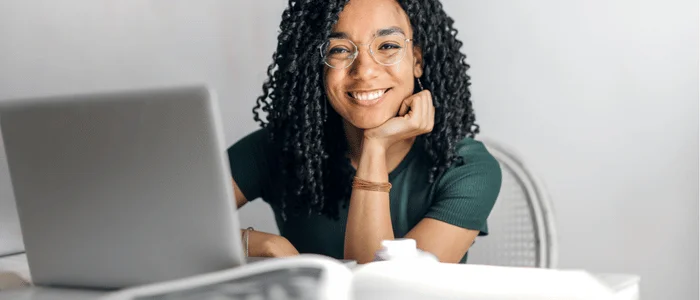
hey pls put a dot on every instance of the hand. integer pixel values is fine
(416, 116)
(261, 244)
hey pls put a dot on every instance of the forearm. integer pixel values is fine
(262, 244)
(369, 217)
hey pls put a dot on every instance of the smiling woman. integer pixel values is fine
(367, 134)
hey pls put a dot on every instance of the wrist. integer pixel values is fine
(372, 162)
(372, 146)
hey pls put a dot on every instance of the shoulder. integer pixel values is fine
(257, 137)
(469, 149)
(474, 167)
(253, 144)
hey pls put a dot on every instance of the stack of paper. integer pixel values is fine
(403, 280)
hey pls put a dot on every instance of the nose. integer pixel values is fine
(364, 67)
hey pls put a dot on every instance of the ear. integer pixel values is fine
(417, 62)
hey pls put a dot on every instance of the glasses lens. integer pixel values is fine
(338, 53)
(389, 49)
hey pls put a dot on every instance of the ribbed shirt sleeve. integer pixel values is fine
(467, 191)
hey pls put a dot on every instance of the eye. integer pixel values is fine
(389, 46)
(338, 50)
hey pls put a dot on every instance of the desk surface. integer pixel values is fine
(627, 289)
(625, 286)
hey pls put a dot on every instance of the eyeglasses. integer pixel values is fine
(386, 50)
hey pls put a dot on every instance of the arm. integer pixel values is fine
(369, 223)
(238, 195)
(369, 217)
(448, 242)
(262, 244)
(454, 221)
(466, 195)
(369, 220)
(248, 158)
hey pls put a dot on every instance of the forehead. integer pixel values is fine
(361, 19)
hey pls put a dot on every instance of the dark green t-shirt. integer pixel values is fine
(463, 196)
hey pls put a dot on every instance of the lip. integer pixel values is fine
(367, 102)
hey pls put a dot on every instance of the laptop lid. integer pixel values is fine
(124, 188)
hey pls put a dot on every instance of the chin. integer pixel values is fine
(367, 122)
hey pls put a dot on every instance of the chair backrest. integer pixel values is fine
(521, 224)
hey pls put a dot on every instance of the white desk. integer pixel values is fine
(626, 287)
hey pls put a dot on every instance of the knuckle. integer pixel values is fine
(415, 123)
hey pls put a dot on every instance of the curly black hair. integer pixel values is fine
(316, 171)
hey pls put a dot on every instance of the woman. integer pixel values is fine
(368, 134)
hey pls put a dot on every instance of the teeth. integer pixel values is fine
(366, 96)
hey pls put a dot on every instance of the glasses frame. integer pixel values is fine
(356, 53)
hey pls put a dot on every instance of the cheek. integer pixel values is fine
(333, 81)
(403, 75)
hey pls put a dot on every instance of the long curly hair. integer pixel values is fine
(312, 145)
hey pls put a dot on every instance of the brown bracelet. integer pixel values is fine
(362, 184)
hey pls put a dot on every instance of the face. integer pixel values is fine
(368, 93)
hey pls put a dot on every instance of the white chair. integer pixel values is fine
(521, 224)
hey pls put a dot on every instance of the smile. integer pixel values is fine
(368, 96)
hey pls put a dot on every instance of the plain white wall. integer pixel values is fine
(599, 97)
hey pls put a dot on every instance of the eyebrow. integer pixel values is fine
(381, 32)
(390, 31)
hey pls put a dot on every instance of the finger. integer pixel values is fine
(403, 109)
(426, 111)
(417, 110)
(407, 105)
(422, 107)
(431, 118)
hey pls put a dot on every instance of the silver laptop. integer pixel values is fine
(118, 189)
